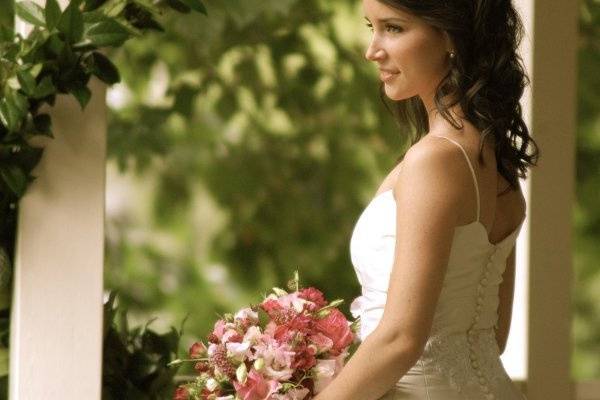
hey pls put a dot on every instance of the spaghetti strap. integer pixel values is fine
(470, 167)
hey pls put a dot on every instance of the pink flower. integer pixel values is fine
(231, 335)
(293, 301)
(271, 306)
(198, 350)
(335, 326)
(278, 359)
(292, 394)
(257, 387)
(327, 369)
(219, 328)
(322, 342)
(305, 356)
(324, 373)
(314, 295)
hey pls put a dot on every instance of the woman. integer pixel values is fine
(434, 251)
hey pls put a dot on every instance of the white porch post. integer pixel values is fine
(545, 249)
(56, 316)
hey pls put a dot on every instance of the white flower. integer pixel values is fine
(228, 334)
(279, 292)
(211, 349)
(212, 384)
(324, 372)
(241, 373)
(238, 351)
(253, 335)
(246, 313)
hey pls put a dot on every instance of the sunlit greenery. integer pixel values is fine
(256, 139)
(586, 288)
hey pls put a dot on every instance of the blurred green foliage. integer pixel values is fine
(586, 285)
(248, 143)
(259, 136)
(135, 364)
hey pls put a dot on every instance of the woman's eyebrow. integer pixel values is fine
(391, 19)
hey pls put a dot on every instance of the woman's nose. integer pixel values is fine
(373, 52)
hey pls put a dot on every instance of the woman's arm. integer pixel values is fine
(431, 187)
(505, 294)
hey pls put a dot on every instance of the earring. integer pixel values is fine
(452, 54)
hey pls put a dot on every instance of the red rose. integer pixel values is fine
(271, 307)
(305, 357)
(301, 324)
(181, 393)
(314, 295)
(335, 326)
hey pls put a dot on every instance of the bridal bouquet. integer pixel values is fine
(288, 347)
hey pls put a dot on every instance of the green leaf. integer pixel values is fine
(27, 81)
(15, 179)
(36, 69)
(178, 5)
(44, 88)
(54, 45)
(93, 17)
(84, 46)
(82, 94)
(43, 124)
(195, 5)
(115, 10)
(12, 110)
(7, 116)
(184, 99)
(108, 33)
(52, 13)
(71, 22)
(30, 12)
(91, 5)
(27, 158)
(6, 34)
(103, 68)
(20, 102)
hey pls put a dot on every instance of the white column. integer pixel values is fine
(56, 315)
(515, 354)
(550, 52)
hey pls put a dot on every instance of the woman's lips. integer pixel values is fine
(387, 76)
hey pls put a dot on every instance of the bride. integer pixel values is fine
(434, 250)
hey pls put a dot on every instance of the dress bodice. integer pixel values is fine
(462, 345)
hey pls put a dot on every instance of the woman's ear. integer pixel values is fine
(448, 42)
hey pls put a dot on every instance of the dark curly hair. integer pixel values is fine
(486, 78)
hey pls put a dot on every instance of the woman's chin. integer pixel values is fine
(393, 94)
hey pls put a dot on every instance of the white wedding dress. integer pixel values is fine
(461, 359)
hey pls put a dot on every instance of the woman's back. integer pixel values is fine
(461, 359)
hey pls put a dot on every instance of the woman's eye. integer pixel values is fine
(394, 28)
(388, 27)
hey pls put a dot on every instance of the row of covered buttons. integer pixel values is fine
(472, 332)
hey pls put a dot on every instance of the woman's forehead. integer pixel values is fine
(378, 11)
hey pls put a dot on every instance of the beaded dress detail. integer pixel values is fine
(461, 360)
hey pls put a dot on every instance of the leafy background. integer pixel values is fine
(245, 145)
(586, 222)
(242, 146)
